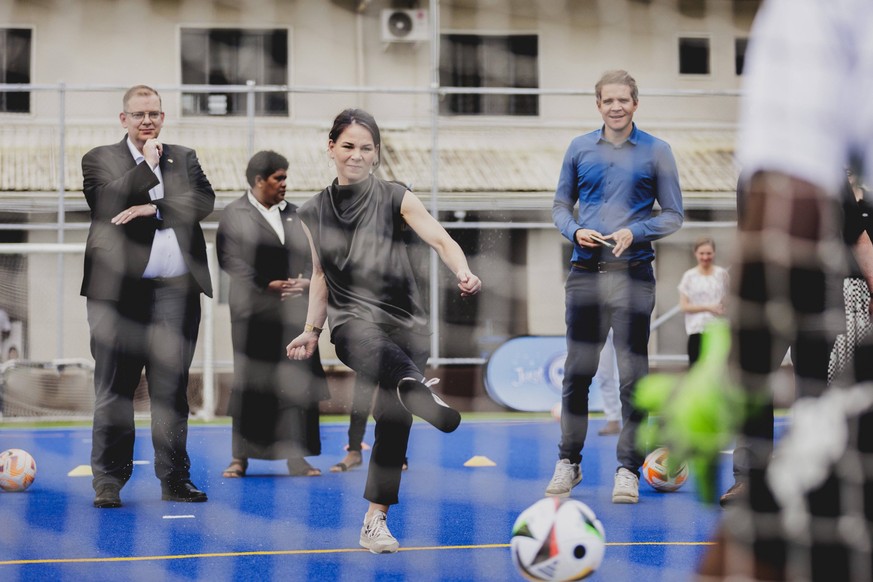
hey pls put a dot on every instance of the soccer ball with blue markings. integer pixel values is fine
(557, 539)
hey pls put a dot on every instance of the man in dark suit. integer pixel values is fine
(145, 267)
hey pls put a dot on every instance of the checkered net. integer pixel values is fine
(809, 513)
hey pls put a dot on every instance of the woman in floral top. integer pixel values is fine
(702, 293)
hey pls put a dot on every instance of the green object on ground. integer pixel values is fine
(697, 412)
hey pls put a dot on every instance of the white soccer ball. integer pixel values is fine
(657, 471)
(17, 470)
(557, 539)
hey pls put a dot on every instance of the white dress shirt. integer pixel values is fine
(271, 215)
(166, 258)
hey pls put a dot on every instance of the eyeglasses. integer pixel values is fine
(138, 116)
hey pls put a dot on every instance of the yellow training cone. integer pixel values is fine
(480, 461)
(80, 471)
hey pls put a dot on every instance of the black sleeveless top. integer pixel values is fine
(357, 233)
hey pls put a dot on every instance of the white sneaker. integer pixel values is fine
(567, 475)
(375, 535)
(627, 487)
(419, 399)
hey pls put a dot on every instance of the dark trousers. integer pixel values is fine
(595, 302)
(759, 351)
(153, 328)
(783, 292)
(384, 355)
(362, 403)
(694, 347)
(275, 401)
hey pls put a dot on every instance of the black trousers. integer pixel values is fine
(384, 355)
(362, 403)
(694, 348)
(154, 327)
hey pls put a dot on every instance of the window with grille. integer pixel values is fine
(740, 45)
(693, 56)
(233, 56)
(15, 49)
(469, 60)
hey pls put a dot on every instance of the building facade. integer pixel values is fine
(497, 88)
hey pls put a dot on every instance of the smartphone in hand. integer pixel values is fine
(603, 241)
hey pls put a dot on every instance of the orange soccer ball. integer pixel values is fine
(657, 471)
(17, 470)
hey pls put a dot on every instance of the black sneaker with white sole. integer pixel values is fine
(418, 399)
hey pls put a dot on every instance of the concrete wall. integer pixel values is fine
(123, 42)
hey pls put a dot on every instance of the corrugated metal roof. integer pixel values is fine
(521, 160)
(477, 166)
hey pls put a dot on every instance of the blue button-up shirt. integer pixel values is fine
(616, 187)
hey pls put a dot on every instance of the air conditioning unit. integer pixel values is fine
(408, 25)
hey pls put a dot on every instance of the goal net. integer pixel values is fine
(46, 369)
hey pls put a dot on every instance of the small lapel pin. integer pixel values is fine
(169, 160)
(289, 220)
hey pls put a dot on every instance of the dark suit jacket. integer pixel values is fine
(251, 253)
(116, 256)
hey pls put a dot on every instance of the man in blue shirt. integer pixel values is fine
(613, 176)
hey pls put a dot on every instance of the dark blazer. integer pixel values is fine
(116, 256)
(251, 253)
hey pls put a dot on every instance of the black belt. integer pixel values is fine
(605, 266)
(179, 281)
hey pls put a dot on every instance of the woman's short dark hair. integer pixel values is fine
(265, 163)
(353, 116)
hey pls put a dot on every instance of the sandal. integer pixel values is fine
(236, 469)
(300, 468)
(353, 459)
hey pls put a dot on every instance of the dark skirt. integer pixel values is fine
(275, 401)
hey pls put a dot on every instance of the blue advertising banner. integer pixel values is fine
(525, 373)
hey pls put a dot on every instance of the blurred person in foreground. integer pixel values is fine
(612, 177)
(807, 513)
(818, 355)
(274, 401)
(364, 283)
(145, 268)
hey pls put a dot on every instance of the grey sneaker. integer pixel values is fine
(627, 487)
(375, 535)
(567, 475)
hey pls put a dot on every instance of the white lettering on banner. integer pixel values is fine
(528, 376)
(526, 373)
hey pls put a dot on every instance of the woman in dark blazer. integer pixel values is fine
(274, 401)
